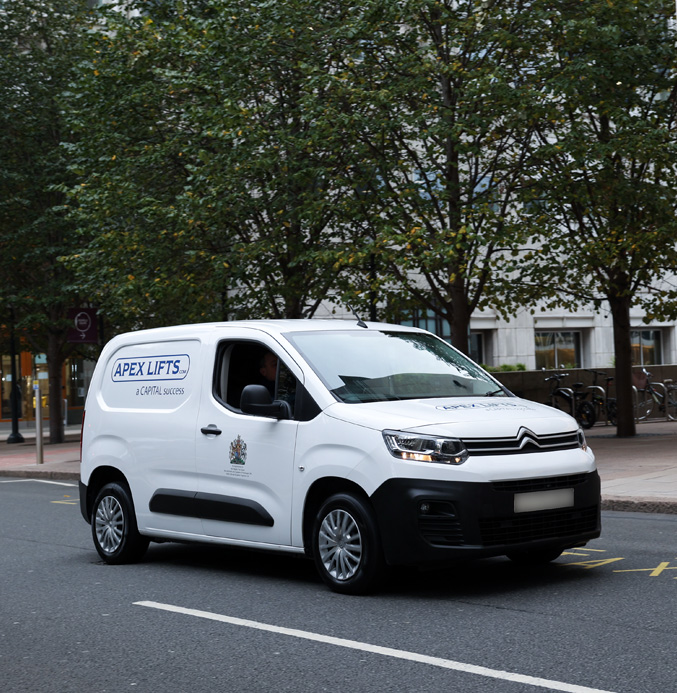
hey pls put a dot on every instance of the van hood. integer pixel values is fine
(476, 417)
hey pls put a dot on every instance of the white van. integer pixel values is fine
(360, 445)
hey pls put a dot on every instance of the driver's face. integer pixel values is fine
(269, 368)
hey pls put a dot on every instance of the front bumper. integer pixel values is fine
(427, 522)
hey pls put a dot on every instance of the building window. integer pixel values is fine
(427, 320)
(558, 350)
(477, 353)
(646, 347)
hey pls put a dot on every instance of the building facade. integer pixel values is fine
(557, 339)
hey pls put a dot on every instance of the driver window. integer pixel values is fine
(250, 363)
(286, 386)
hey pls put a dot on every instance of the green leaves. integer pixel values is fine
(216, 125)
(607, 153)
(38, 58)
(235, 159)
(443, 136)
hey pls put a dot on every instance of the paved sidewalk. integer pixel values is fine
(60, 461)
(638, 474)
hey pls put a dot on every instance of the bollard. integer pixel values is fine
(38, 422)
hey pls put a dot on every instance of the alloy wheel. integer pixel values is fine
(340, 544)
(110, 524)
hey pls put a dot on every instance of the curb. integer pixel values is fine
(640, 505)
(29, 439)
(40, 474)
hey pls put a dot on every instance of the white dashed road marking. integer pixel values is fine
(38, 481)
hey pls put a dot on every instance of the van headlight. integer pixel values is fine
(421, 448)
(581, 439)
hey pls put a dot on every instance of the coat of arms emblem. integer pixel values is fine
(238, 451)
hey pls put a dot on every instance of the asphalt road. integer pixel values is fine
(197, 619)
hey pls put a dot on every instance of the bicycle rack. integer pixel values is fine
(602, 392)
(635, 401)
(572, 403)
(670, 388)
(665, 398)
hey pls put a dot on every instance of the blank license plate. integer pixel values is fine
(544, 500)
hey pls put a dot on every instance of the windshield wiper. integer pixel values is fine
(494, 392)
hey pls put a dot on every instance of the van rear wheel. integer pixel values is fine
(347, 546)
(116, 536)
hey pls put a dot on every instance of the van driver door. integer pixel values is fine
(245, 463)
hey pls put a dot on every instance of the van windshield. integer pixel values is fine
(375, 366)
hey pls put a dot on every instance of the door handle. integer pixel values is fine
(211, 430)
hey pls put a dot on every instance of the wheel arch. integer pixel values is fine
(97, 480)
(317, 494)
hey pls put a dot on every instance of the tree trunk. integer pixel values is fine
(458, 316)
(55, 367)
(620, 312)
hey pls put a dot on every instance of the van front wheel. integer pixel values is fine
(114, 529)
(346, 545)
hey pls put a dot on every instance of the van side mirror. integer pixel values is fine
(256, 400)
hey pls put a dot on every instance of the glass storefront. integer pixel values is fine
(77, 374)
(5, 387)
(76, 383)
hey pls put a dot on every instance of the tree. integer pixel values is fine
(603, 198)
(138, 253)
(40, 48)
(442, 95)
(209, 165)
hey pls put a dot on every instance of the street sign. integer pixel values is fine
(84, 326)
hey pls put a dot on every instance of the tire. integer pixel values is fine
(346, 545)
(612, 412)
(586, 415)
(114, 529)
(535, 557)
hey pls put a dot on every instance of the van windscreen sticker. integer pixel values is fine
(515, 406)
(145, 368)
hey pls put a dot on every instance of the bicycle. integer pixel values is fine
(648, 397)
(671, 391)
(605, 406)
(578, 405)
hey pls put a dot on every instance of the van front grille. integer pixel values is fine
(524, 442)
(547, 524)
(540, 484)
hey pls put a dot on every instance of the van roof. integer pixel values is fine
(276, 326)
(314, 325)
